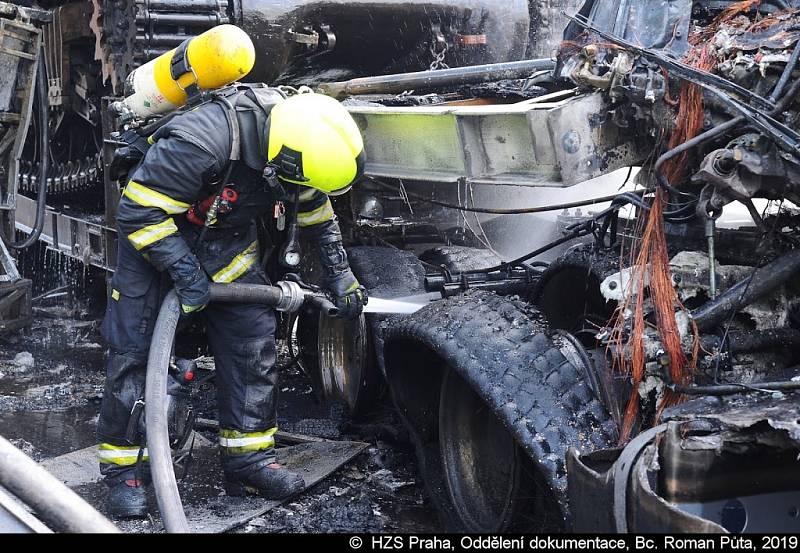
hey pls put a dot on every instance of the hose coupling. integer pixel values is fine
(292, 297)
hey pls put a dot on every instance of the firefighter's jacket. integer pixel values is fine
(185, 164)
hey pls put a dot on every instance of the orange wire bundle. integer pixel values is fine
(690, 116)
(652, 264)
(652, 259)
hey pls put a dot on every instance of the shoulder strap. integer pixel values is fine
(229, 107)
(252, 109)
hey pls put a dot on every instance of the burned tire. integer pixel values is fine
(347, 368)
(458, 259)
(568, 292)
(493, 494)
(525, 375)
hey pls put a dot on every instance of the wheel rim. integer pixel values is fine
(482, 463)
(344, 351)
(569, 297)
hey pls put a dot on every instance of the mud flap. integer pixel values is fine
(207, 508)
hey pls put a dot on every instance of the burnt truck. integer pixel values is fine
(604, 241)
(644, 378)
(87, 49)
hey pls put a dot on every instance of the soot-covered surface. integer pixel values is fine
(51, 386)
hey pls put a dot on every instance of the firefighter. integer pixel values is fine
(306, 147)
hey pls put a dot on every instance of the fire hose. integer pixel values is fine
(46, 495)
(286, 296)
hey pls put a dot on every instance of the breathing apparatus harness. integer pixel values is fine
(132, 145)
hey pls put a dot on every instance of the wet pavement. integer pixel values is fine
(51, 385)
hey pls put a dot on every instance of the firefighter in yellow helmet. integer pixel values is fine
(264, 157)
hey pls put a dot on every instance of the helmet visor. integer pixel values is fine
(340, 191)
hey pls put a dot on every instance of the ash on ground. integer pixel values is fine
(51, 386)
(376, 492)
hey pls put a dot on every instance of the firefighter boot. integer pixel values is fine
(271, 481)
(127, 499)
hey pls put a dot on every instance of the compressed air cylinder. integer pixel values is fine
(217, 57)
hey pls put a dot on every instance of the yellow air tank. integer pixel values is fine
(217, 57)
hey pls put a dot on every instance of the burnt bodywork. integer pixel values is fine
(91, 46)
(298, 37)
(688, 294)
(713, 466)
(705, 305)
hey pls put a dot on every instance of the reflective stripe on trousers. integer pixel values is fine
(236, 442)
(120, 455)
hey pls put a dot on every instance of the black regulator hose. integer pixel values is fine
(44, 139)
(158, 360)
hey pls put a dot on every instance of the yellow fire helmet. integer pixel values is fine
(315, 142)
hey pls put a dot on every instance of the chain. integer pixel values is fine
(438, 57)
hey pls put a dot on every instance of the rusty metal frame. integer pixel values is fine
(555, 141)
(24, 42)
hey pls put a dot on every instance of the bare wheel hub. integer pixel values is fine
(344, 351)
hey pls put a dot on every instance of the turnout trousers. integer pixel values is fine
(242, 340)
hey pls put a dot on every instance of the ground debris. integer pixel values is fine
(258, 522)
(50, 391)
(386, 480)
(338, 492)
(23, 361)
(27, 448)
(50, 409)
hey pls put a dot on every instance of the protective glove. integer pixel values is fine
(348, 295)
(191, 284)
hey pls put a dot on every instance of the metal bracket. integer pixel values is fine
(307, 37)
(622, 473)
